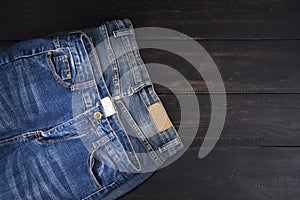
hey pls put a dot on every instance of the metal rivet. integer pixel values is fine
(68, 75)
(37, 133)
(100, 187)
(97, 115)
(49, 53)
(66, 56)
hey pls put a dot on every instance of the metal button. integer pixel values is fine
(97, 115)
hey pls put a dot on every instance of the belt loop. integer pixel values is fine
(112, 61)
(56, 42)
(68, 40)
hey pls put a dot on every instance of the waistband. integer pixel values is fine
(119, 57)
(116, 48)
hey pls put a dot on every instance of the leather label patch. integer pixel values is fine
(159, 116)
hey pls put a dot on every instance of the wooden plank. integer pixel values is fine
(245, 19)
(245, 66)
(251, 120)
(226, 173)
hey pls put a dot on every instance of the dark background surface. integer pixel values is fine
(256, 46)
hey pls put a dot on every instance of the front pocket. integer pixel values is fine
(62, 66)
(107, 164)
(30, 97)
(75, 127)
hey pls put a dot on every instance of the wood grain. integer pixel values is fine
(256, 47)
(227, 173)
(206, 19)
(245, 66)
(251, 120)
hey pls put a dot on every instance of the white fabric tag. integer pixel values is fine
(108, 106)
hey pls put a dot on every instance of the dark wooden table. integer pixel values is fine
(256, 46)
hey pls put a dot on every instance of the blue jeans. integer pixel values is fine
(79, 116)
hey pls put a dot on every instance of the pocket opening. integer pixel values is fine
(62, 66)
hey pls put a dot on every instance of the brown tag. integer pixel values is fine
(159, 116)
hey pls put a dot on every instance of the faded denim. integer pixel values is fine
(77, 116)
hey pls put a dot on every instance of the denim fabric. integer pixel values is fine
(76, 118)
(132, 91)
